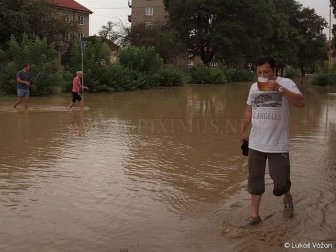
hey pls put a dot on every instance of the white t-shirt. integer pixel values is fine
(270, 117)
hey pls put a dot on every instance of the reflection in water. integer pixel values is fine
(157, 170)
(77, 120)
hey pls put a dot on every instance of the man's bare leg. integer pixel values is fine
(18, 101)
(255, 203)
(26, 101)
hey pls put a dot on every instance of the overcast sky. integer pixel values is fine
(116, 10)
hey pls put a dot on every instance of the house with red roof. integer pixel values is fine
(76, 14)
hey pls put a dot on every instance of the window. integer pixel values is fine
(80, 20)
(214, 63)
(149, 25)
(81, 36)
(190, 62)
(149, 11)
(67, 37)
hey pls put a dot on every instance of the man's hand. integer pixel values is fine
(242, 137)
(245, 122)
(273, 85)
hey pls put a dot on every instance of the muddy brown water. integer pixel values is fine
(157, 170)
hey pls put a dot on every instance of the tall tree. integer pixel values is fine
(225, 29)
(114, 32)
(312, 41)
(281, 42)
(163, 38)
(34, 18)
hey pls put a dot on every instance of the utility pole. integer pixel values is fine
(330, 51)
(82, 46)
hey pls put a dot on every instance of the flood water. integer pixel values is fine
(157, 170)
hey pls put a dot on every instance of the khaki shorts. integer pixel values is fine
(279, 170)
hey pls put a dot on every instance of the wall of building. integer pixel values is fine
(72, 17)
(138, 16)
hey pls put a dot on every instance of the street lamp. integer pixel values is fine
(83, 46)
(330, 52)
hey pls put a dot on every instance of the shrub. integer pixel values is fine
(322, 79)
(8, 78)
(169, 76)
(238, 75)
(207, 75)
(290, 72)
(142, 59)
(67, 81)
(42, 59)
(116, 78)
(49, 81)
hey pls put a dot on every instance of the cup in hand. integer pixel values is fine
(263, 84)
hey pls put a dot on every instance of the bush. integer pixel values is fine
(118, 78)
(51, 79)
(114, 78)
(67, 81)
(42, 59)
(8, 78)
(142, 59)
(322, 79)
(238, 75)
(96, 56)
(169, 76)
(207, 75)
(290, 72)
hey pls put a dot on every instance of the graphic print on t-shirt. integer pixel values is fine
(267, 100)
(267, 105)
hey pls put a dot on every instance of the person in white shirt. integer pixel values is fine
(268, 112)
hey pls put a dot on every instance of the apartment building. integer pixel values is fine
(147, 12)
(76, 14)
(153, 12)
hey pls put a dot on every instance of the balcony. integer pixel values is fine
(130, 18)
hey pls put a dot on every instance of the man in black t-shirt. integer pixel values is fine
(23, 84)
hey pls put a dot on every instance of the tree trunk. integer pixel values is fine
(303, 73)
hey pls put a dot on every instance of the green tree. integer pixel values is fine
(163, 38)
(114, 32)
(11, 19)
(228, 30)
(312, 42)
(141, 59)
(36, 18)
(281, 41)
(42, 58)
(96, 59)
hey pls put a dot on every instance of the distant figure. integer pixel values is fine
(23, 84)
(268, 110)
(76, 87)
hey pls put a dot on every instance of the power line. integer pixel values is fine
(112, 8)
(124, 8)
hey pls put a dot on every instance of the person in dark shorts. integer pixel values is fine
(22, 87)
(76, 88)
(268, 111)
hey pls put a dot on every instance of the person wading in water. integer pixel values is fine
(268, 111)
(76, 88)
(22, 87)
